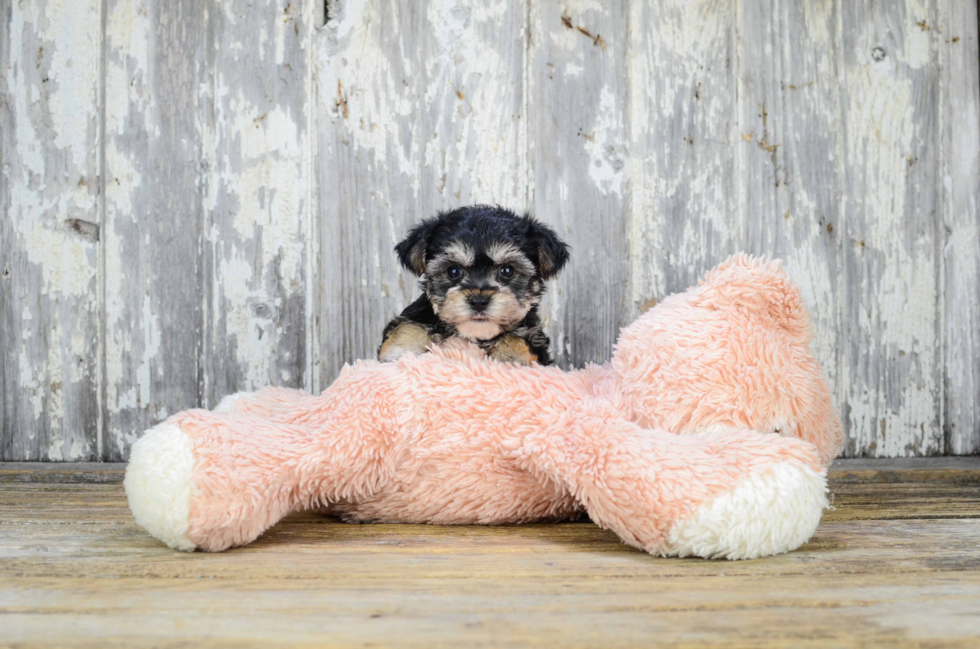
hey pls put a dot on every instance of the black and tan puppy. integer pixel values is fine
(483, 271)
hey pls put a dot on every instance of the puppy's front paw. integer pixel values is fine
(511, 349)
(406, 337)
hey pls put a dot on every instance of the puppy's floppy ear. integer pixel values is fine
(552, 252)
(411, 249)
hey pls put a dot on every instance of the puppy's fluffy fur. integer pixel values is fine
(482, 272)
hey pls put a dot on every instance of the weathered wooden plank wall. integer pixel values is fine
(960, 88)
(260, 230)
(154, 214)
(891, 378)
(50, 156)
(203, 197)
(579, 112)
(367, 117)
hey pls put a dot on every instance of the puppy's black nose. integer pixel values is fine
(479, 301)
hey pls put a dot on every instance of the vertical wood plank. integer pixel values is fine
(834, 135)
(961, 216)
(50, 55)
(156, 109)
(368, 114)
(258, 201)
(580, 158)
(683, 120)
(789, 173)
(891, 365)
(473, 128)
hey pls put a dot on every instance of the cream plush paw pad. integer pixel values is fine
(770, 513)
(158, 484)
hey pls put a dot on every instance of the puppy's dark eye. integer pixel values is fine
(506, 272)
(454, 272)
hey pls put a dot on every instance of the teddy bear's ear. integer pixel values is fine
(411, 250)
(551, 250)
(759, 285)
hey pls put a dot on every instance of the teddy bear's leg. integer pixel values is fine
(231, 402)
(214, 480)
(159, 481)
(266, 402)
(735, 494)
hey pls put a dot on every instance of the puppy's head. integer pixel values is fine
(483, 268)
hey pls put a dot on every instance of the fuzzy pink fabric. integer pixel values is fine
(705, 389)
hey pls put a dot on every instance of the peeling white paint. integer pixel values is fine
(472, 114)
(259, 199)
(50, 195)
(961, 201)
(608, 168)
(265, 184)
(891, 266)
(683, 145)
(73, 74)
(494, 101)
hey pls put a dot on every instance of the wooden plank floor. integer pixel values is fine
(897, 564)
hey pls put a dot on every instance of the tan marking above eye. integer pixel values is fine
(508, 253)
(502, 251)
(459, 252)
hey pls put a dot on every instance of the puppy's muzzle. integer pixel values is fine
(479, 301)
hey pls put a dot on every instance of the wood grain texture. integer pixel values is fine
(901, 611)
(891, 371)
(578, 60)
(203, 197)
(50, 62)
(369, 106)
(260, 235)
(473, 122)
(895, 564)
(961, 217)
(684, 140)
(63, 472)
(788, 151)
(155, 115)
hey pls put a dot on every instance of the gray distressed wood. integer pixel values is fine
(684, 123)
(891, 369)
(788, 151)
(203, 197)
(472, 121)
(207, 206)
(260, 235)
(368, 68)
(50, 56)
(579, 94)
(961, 217)
(157, 115)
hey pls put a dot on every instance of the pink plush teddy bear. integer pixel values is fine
(708, 434)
